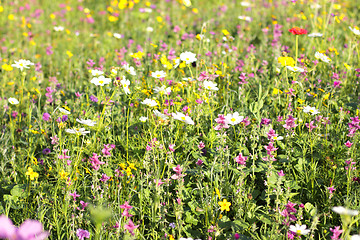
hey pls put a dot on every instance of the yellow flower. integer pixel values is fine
(225, 205)
(113, 18)
(301, 101)
(159, 19)
(30, 172)
(63, 174)
(7, 67)
(286, 61)
(276, 91)
(326, 96)
(217, 192)
(69, 54)
(171, 237)
(348, 67)
(225, 32)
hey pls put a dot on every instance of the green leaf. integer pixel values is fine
(190, 218)
(18, 190)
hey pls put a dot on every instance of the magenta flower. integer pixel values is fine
(241, 159)
(74, 195)
(178, 174)
(336, 232)
(81, 234)
(95, 162)
(348, 144)
(46, 117)
(131, 227)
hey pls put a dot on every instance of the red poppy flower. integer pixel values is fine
(298, 31)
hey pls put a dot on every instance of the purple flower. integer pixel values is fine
(93, 98)
(46, 151)
(64, 118)
(46, 117)
(81, 234)
(199, 162)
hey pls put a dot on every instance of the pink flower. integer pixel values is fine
(336, 232)
(241, 159)
(131, 227)
(348, 144)
(28, 230)
(74, 195)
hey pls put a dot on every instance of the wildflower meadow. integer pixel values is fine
(179, 119)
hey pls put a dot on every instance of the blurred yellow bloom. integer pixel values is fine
(159, 19)
(69, 54)
(276, 91)
(348, 67)
(286, 61)
(112, 18)
(7, 67)
(195, 10)
(225, 32)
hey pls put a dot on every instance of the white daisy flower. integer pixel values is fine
(344, 211)
(181, 117)
(209, 85)
(295, 69)
(143, 119)
(100, 81)
(158, 74)
(59, 28)
(311, 110)
(245, 4)
(315, 35)
(355, 237)
(160, 115)
(78, 131)
(355, 30)
(162, 90)
(322, 57)
(87, 122)
(22, 63)
(96, 73)
(117, 35)
(299, 230)
(125, 83)
(13, 101)
(64, 111)
(129, 69)
(278, 138)
(246, 18)
(149, 29)
(188, 57)
(234, 118)
(149, 102)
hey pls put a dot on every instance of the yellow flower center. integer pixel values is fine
(183, 118)
(233, 119)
